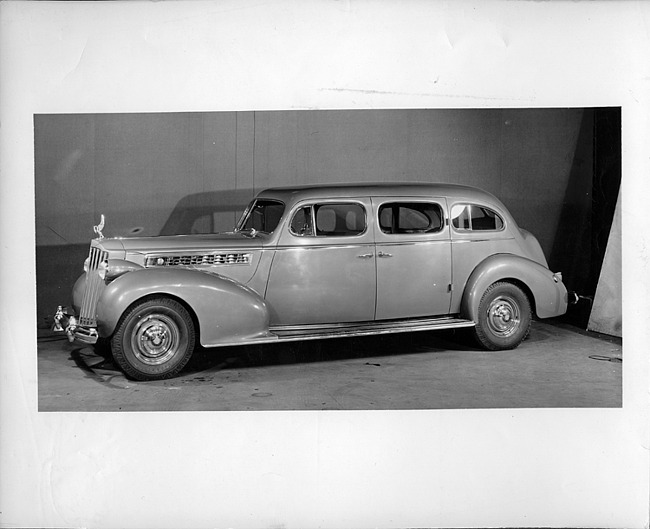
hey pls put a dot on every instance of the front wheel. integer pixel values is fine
(154, 339)
(504, 317)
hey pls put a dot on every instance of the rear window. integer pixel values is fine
(410, 217)
(475, 218)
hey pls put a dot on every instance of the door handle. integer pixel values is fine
(382, 254)
(365, 256)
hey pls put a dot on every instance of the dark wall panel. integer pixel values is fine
(64, 184)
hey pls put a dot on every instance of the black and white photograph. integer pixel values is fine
(324, 264)
(394, 278)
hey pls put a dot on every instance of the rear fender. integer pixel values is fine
(227, 311)
(548, 292)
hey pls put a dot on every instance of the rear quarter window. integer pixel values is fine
(471, 217)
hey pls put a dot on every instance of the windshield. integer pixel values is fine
(261, 215)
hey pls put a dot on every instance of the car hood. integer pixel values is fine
(174, 243)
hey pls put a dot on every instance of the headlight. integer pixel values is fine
(102, 269)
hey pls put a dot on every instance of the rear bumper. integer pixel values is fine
(66, 321)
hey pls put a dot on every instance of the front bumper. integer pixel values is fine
(67, 322)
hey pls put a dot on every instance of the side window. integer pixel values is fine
(301, 223)
(475, 218)
(263, 215)
(339, 220)
(410, 217)
(485, 219)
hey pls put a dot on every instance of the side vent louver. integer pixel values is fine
(197, 260)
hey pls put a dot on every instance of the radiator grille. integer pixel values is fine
(94, 284)
(194, 260)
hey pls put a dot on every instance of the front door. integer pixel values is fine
(323, 270)
(413, 251)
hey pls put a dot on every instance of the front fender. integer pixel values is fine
(549, 293)
(227, 311)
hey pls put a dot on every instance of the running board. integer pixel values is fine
(287, 333)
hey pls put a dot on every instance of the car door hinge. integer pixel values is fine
(450, 288)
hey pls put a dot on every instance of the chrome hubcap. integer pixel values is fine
(155, 339)
(503, 316)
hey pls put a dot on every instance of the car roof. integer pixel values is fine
(453, 191)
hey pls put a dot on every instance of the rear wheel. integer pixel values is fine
(504, 317)
(154, 339)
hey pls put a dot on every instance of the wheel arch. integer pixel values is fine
(547, 296)
(155, 338)
(154, 295)
(525, 289)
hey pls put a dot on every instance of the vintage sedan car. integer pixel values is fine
(316, 262)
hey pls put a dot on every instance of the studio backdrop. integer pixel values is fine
(557, 170)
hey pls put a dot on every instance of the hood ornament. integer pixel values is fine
(98, 229)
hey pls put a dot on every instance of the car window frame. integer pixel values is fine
(251, 205)
(402, 200)
(470, 229)
(311, 204)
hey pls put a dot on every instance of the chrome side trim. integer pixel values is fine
(289, 333)
(413, 243)
(372, 327)
(482, 240)
(326, 246)
(196, 250)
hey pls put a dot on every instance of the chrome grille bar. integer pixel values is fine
(94, 282)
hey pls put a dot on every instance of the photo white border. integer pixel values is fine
(482, 468)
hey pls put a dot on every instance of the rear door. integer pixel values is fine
(413, 250)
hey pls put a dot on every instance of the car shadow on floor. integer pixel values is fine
(329, 350)
(97, 362)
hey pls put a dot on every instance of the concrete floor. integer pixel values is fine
(557, 366)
